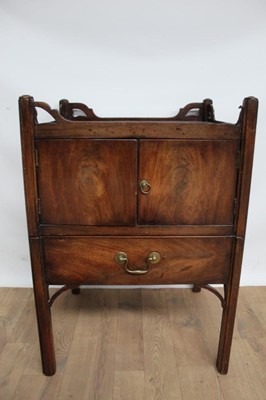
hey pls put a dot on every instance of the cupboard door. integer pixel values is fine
(87, 182)
(188, 181)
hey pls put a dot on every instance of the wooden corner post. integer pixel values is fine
(27, 124)
(247, 122)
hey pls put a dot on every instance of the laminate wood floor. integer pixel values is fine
(133, 344)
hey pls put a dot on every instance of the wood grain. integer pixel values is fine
(32, 387)
(142, 230)
(243, 380)
(92, 260)
(199, 382)
(129, 344)
(210, 321)
(87, 182)
(13, 359)
(129, 385)
(249, 325)
(65, 313)
(90, 371)
(27, 130)
(15, 304)
(187, 332)
(249, 121)
(192, 182)
(133, 129)
(255, 351)
(93, 348)
(159, 354)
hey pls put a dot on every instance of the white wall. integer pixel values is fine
(128, 58)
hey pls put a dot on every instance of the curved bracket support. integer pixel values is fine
(197, 112)
(67, 110)
(191, 111)
(60, 291)
(196, 288)
(53, 112)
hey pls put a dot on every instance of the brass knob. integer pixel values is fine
(154, 257)
(145, 186)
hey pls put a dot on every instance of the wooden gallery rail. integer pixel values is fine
(129, 201)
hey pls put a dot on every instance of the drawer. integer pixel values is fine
(129, 261)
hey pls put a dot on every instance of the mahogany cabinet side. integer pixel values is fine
(27, 129)
(248, 120)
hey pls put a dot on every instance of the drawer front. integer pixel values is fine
(101, 260)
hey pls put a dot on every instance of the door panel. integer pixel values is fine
(88, 182)
(191, 182)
